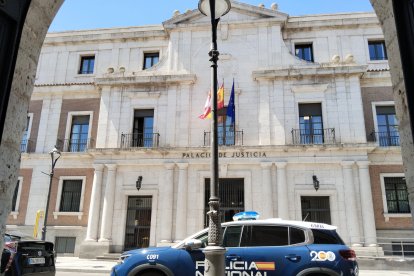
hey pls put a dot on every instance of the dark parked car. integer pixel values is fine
(27, 256)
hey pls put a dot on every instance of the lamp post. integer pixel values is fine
(214, 252)
(54, 158)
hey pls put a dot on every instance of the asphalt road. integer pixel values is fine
(362, 273)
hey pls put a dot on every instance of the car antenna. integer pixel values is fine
(307, 214)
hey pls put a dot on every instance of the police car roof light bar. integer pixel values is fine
(247, 215)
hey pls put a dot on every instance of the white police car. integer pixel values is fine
(253, 248)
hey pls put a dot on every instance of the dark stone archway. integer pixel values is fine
(40, 14)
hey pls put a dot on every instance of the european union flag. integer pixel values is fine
(231, 111)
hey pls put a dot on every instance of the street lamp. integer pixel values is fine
(54, 158)
(214, 252)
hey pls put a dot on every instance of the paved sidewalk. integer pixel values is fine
(74, 264)
(103, 267)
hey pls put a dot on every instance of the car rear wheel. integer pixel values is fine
(151, 272)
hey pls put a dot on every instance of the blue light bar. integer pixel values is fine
(248, 215)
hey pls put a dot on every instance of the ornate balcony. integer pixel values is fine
(314, 137)
(26, 146)
(75, 145)
(386, 139)
(140, 140)
(228, 138)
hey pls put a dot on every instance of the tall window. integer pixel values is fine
(87, 64)
(316, 209)
(79, 133)
(377, 50)
(304, 51)
(15, 195)
(25, 138)
(225, 128)
(143, 128)
(388, 134)
(310, 123)
(71, 196)
(397, 195)
(150, 59)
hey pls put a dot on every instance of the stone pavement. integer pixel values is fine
(103, 267)
(74, 264)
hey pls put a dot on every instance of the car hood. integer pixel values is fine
(148, 250)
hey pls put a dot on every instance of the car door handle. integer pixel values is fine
(293, 258)
(233, 258)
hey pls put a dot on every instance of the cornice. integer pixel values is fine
(308, 71)
(146, 80)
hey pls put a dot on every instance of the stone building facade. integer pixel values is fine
(313, 105)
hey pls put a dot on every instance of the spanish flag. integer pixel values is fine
(207, 105)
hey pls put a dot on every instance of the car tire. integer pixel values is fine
(151, 273)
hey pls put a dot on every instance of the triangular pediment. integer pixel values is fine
(240, 12)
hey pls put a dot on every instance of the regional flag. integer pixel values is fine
(207, 105)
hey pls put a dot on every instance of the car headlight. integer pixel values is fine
(122, 258)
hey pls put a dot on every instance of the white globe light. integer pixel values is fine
(222, 7)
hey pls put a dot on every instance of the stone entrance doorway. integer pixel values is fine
(138, 222)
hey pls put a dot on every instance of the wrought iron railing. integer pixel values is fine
(140, 140)
(228, 138)
(75, 145)
(386, 139)
(313, 137)
(27, 146)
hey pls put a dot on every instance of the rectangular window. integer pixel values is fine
(403, 248)
(225, 128)
(86, 65)
(387, 123)
(150, 59)
(65, 244)
(25, 138)
(15, 195)
(304, 51)
(143, 128)
(310, 124)
(79, 133)
(377, 50)
(397, 195)
(316, 209)
(71, 196)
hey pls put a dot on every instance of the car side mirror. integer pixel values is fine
(192, 244)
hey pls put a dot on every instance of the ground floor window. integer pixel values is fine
(65, 244)
(231, 193)
(316, 209)
(138, 222)
(403, 248)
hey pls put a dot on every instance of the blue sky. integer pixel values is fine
(91, 14)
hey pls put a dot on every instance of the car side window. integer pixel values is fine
(296, 235)
(264, 235)
(231, 236)
(326, 237)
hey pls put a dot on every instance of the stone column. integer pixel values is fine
(282, 191)
(350, 206)
(267, 199)
(181, 217)
(367, 206)
(108, 205)
(94, 206)
(166, 190)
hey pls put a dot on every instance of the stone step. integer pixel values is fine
(109, 256)
(368, 251)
